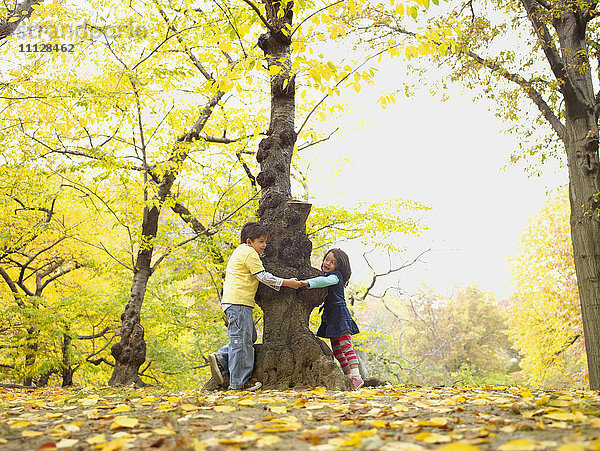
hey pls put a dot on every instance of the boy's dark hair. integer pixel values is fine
(253, 230)
(343, 263)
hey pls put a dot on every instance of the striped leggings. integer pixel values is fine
(344, 353)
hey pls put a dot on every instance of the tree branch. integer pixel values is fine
(91, 337)
(60, 274)
(545, 38)
(527, 86)
(261, 17)
(21, 12)
(388, 272)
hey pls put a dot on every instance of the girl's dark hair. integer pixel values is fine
(343, 263)
(253, 230)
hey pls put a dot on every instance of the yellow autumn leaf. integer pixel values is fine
(434, 421)
(3, 441)
(274, 69)
(267, 441)
(198, 445)
(247, 402)
(163, 431)
(96, 439)
(31, 433)
(559, 403)
(114, 445)
(572, 447)
(320, 390)
(399, 408)
(20, 425)
(521, 444)
(349, 422)
(120, 408)
(301, 402)
(458, 446)
(365, 433)
(54, 415)
(314, 405)
(378, 423)
(558, 425)
(189, 407)
(224, 409)
(561, 416)
(432, 438)
(90, 400)
(122, 422)
(67, 443)
(278, 409)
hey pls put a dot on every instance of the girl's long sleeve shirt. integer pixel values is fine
(323, 281)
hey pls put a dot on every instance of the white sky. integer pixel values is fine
(449, 156)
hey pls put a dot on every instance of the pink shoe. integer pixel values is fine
(358, 382)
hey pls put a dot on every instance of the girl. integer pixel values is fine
(336, 321)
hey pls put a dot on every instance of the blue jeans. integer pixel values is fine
(237, 356)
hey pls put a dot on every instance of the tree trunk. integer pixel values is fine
(30, 354)
(291, 355)
(67, 369)
(130, 352)
(581, 145)
(584, 195)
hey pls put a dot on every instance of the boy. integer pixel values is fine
(244, 271)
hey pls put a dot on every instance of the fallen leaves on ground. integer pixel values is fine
(390, 418)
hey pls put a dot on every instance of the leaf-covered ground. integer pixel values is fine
(385, 418)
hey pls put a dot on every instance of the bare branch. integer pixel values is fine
(60, 274)
(188, 218)
(247, 170)
(88, 358)
(91, 337)
(545, 38)
(234, 29)
(193, 57)
(261, 17)
(318, 141)
(11, 284)
(388, 272)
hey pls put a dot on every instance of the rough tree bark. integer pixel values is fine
(290, 355)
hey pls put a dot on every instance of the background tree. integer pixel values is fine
(431, 339)
(545, 317)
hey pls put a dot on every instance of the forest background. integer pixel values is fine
(87, 135)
